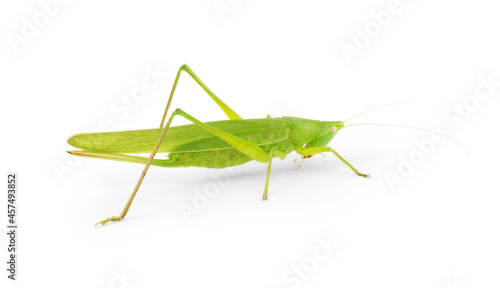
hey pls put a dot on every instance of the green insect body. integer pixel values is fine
(215, 144)
(190, 145)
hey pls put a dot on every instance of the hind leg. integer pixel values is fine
(246, 147)
(227, 110)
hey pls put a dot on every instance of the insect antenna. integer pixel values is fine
(375, 109)
(411, 127)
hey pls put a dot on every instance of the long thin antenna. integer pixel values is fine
(375, 109)
(405, 126)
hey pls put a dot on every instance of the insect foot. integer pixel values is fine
(364, 175)
(113, 218)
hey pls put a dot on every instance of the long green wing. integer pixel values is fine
(183, 138)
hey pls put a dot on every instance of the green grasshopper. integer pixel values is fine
(216, 144)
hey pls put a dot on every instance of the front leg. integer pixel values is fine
(311, 151)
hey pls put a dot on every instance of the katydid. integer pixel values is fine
(216, 144)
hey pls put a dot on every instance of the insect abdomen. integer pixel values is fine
(221, 158)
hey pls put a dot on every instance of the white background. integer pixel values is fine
(437, 227)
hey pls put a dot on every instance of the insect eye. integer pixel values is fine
(333, 129)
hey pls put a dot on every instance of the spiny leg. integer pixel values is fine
(315, 150)
(246, 147)
(148, 163)
(229, 112)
